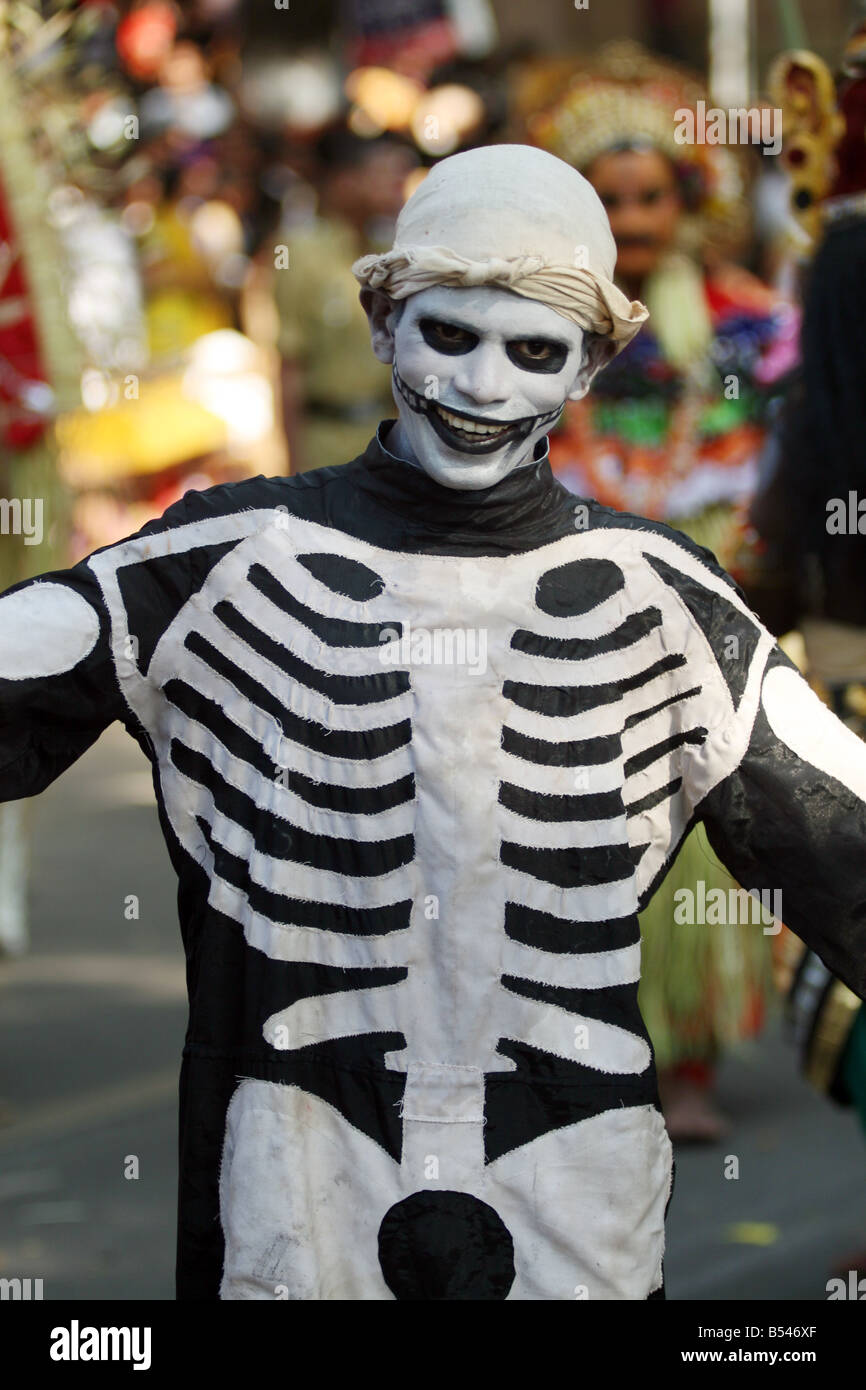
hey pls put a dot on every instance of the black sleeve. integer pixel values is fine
(791, 819)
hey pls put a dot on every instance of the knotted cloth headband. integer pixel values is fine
(516, 218)
(594, 303)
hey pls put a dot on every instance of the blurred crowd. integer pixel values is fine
(208, 197)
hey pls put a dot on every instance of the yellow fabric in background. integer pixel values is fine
(177, 315)
(160, 428)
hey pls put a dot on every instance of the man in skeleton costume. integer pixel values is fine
(426, 731)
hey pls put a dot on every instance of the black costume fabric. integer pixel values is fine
(420, 757)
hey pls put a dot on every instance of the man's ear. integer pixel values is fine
(597, 352)
(382, 314)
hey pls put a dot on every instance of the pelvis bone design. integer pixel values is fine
(444, 782)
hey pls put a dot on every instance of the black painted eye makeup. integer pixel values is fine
(537, 354)
(448, 338)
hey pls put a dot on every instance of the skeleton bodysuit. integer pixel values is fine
(420, 757)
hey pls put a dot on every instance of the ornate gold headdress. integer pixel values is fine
(624, 93)
(625, 96)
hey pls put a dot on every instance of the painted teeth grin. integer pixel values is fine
(463, 426)
(474, 436)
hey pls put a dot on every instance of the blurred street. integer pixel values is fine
(92, 1024)
(91, 1029)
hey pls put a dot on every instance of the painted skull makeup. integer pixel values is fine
(480, 376)
(484, 304)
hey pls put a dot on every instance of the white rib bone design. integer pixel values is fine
(498, 813)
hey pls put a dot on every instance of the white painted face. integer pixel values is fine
(480, 376)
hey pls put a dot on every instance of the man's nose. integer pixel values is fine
(482, 375)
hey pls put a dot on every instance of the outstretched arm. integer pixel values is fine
(792, 818)
(58, 672)
(57, 685)
(71, 642)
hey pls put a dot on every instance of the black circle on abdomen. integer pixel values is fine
(445, 1245)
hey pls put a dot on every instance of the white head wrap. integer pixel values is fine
(515, 217)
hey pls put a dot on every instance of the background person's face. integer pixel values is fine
(375, 189)
(640, 195)
(480, 377)
(382, 180)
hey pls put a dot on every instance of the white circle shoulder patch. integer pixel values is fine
(45, 629)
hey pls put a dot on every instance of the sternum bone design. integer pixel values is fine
(456, 931)
(449, 1007)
